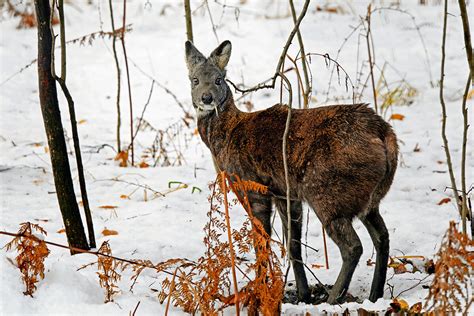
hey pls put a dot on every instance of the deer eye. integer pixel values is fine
(195, 81)
(218, 81)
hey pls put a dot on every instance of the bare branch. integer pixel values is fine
(443, 109)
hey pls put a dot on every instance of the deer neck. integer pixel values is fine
(215, 127)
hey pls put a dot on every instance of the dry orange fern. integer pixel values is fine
(32, 251)
(205, 285)
(108, 274)
(451, 289)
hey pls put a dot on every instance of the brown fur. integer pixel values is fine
(336, 154)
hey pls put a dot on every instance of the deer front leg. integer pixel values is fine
(262, 210)
(304, 294)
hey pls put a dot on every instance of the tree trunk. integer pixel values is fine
(54, 131)
(467, 37)
(189, 23)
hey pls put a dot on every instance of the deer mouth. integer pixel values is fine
(201, 107)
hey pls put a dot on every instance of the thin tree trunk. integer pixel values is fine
(371, 61)
(122, 40)
(464, 209)
(443, 109)
(54, 130)
(303, 60)
(117, 66)
(467, 37)
(189, 22)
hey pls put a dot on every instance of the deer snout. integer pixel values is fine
(206, 98)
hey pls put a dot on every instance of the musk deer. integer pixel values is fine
(341, 161)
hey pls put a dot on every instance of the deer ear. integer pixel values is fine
(221, 55)
(193, 56)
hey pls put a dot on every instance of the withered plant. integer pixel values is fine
(107, 271)
(451, 289)
(206, 284)
(169, 143)
(31, 254)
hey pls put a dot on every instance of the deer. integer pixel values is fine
(341, 162)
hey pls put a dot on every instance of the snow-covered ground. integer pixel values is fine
(167, 227)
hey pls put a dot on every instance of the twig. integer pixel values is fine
(285, 163)
(229, 236)
(298, 76)
(144, 109)
(347, 80)
(412, 287)
(81, 39)
(99, 34)
(117, 66)
(19, 71)
(136, 307)
(278, 70)
(122, 40)
(214, 28)
(75, 135)
(244, 94)
(325, 248)
(314, 276)
(308, 87)
(418, 30)
(172, 286)
(368, 37)
(79, 250)
(146, 187)
(160, 85)
(346, 39)
(443, 109)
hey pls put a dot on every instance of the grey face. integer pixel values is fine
(207, 75)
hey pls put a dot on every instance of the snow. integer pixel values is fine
(159, 228)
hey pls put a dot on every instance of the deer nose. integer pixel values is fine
(206, 98)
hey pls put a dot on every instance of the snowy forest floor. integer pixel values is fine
(158, 228)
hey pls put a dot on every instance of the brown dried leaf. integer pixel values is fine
(399, 117)
(470, 95)
(317, 266)
(444, 201)
(122, 157)
(143, 164)
(416, 308)
(109, 232)
(108, 207)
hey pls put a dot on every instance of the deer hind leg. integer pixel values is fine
(304, 294)
(379, 234)
(343, 234)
